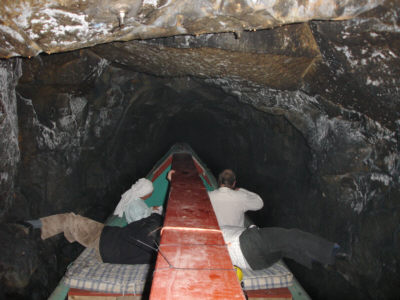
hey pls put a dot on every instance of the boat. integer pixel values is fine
(192, 260)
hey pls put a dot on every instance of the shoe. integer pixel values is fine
(339, 253)
(342, 255)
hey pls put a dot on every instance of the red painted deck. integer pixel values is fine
(193, 261)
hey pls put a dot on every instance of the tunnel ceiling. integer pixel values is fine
(30, 27)
(345, 62)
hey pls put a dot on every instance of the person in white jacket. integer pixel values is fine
(132, 203)
(230, 204)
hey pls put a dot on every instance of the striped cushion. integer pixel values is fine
(89, 274)
(276, 276)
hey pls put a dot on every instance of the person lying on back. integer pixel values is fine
(132, 244)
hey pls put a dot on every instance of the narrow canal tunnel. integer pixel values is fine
(306, 114)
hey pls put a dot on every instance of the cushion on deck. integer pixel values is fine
(89, 274)
(86, 272)
(276, 276)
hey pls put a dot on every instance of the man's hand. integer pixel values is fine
(169, 175)
(157, 209)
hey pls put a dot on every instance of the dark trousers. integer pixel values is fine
(262, 247)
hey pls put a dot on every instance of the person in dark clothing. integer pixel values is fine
(132, 244)
(258, 248)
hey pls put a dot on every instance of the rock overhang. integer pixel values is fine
(30, 27)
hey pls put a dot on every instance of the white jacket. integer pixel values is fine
(131, 203)
(230, 205)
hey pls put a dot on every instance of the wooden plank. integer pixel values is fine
(276, 294)
(193, 261)
(79, 294)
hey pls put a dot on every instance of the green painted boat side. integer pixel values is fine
(298, 293)
(160, 185)
(208, 187)
(60, 292)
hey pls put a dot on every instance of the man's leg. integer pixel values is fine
(76, 228)
(305, 247)
(264, 246)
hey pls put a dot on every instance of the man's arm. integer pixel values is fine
(252, 201)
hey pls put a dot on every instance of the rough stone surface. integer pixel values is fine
(34, 26)
(31, 268)
(56, 139)
(292, 54)
(9, 150)
(360, 58)
(21, 253)
(353, 181)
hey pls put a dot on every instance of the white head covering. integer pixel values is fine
(141, 188)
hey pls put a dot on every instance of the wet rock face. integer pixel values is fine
(70, 140)
(16, 272)
(362, 57)
(35, 26)
(31, 268)
(307, 115)
(52, 137)
(9, 150)
(291, 54)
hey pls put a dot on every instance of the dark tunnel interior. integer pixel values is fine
(147, 116)
(130, 120)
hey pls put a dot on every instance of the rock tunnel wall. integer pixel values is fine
(9, 152)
